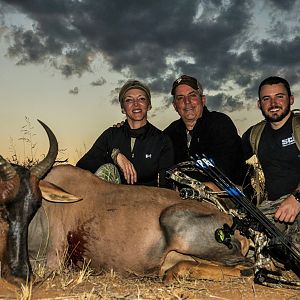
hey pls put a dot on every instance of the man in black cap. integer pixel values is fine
(200, 131)
(138, 151)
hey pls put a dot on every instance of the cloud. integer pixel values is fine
(228, 103)
(224, 43)
(74, 91)
(284, 5)
(99, 82)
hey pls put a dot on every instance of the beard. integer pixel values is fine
(278, 116)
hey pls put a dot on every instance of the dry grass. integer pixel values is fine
(84, 273)
(82, 284)
(27, 143)
(26, 291)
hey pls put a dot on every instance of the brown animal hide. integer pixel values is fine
(131, 229)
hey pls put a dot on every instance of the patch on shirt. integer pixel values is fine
(287, 142)
(148, 155)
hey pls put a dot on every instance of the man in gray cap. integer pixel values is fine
(200, 131)
(138, 151)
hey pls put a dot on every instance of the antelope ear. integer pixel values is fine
(53, 193)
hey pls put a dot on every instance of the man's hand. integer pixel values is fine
(120, 124)
(127, 168)
(211, 185)
(288, 210)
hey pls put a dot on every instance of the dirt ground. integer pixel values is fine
(75, 285)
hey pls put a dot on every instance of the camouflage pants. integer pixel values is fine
(269, 208)
(109, 172)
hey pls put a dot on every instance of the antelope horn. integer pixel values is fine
(40, 169)
(7, 171)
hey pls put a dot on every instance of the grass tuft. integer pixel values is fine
(26, 291)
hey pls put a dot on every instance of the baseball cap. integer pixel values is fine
(188, 80)
(133, 84)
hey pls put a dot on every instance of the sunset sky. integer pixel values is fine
(63, 61)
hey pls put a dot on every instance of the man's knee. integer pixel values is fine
(109, 172)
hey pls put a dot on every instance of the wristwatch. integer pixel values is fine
(296, 194)
(114, 155)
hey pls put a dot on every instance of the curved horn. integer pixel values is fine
(40, 169)
(7, 171)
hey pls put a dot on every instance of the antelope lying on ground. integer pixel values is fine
(132, 229)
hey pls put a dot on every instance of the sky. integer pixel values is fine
(64, 61)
